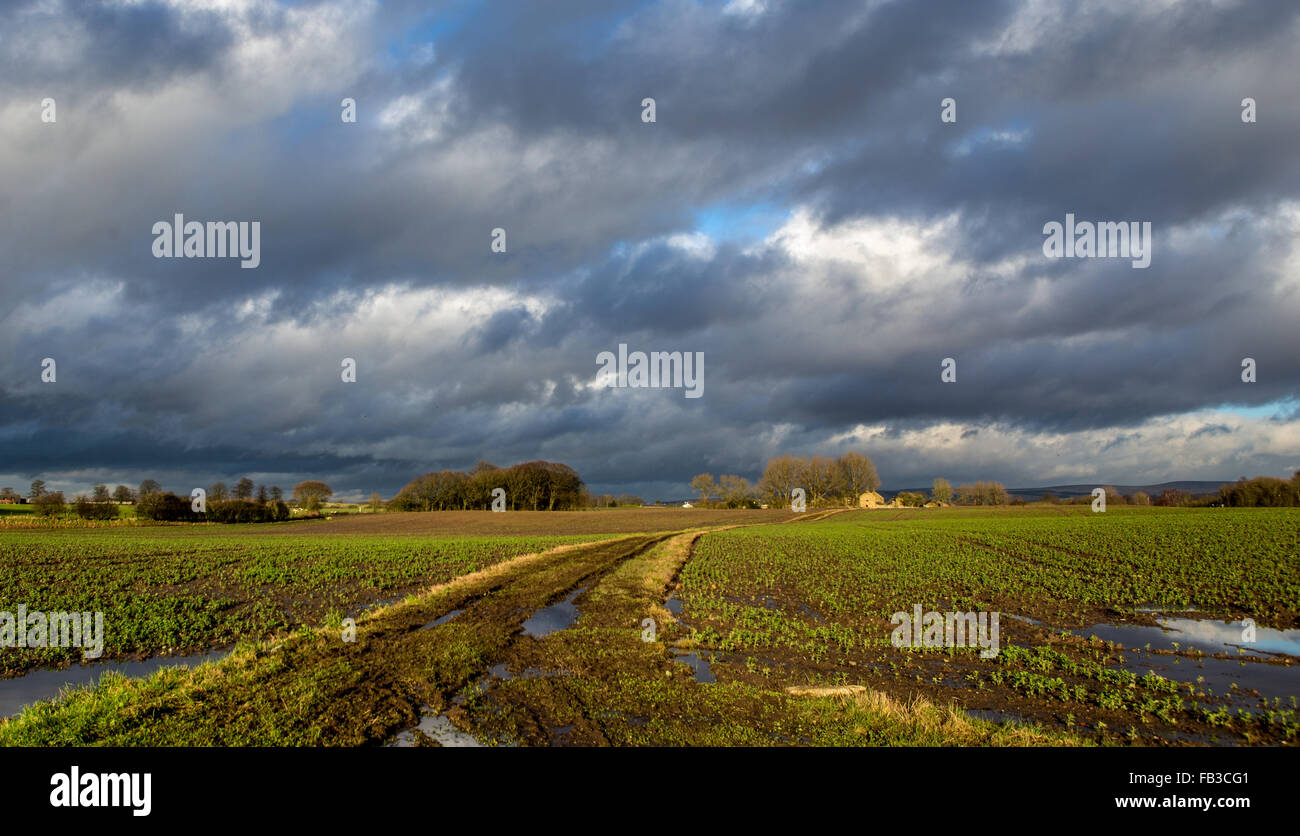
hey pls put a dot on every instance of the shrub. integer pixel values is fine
(88, 510)
(165, 507)
(1261, 492)
(49, 504)
(247, 511)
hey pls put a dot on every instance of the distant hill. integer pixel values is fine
(1067, 491)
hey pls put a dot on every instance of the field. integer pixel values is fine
(171, 590)
(764, 628)
(179, 588)
(815, 604)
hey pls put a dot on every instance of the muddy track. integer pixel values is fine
(433, 666)
(492, 620)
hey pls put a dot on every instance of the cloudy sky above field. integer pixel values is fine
(798, 212)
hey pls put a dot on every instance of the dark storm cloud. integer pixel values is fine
(81, 48)
(473, 116)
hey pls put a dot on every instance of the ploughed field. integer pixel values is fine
(684, 627)
(462, 523)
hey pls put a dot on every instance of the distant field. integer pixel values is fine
(461, 523)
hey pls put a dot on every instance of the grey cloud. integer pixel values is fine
(527, 117)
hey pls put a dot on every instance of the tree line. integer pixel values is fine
(1262, 492)
(825, 481)
(530, 486)
(247, 502)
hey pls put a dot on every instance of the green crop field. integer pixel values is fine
(858, 568)
(814, 603)
(170, 589)
(784, 622)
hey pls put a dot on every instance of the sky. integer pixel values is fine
(799, 211)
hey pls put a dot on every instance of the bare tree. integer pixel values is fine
(703, 485)
(821, 478)
(857, 475)
(735, 490)
(779, 479)
(311, 494)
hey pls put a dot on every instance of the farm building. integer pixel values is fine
(871, 499)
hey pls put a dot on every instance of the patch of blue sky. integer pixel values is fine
(1013, 135)
(724, 222)
(1283, 409)
(415, 43)
(737, 222)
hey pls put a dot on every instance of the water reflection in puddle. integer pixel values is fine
(374, 605)
(558, 616)
(703, 673)
(20, 691)
(1220, 676)
(502, 671)
(1206, 635)
(440, 729)
(442, 619)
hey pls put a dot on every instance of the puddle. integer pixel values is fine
(18, 692)
(375, 605)
(1206, 635)
(1026, 619)
(440, 729)
(558, 616)
(442, 619)
(1219, 675)
(1209, 636)
(703, 673)
(673, 604)
(502, 671)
